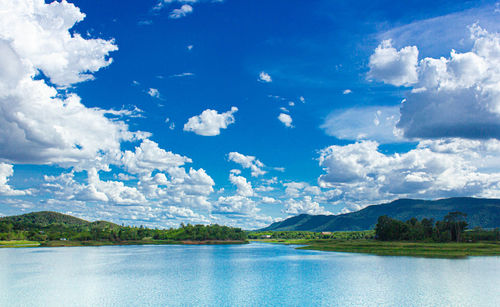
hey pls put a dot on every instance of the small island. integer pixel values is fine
(448, 238)
(51, 229)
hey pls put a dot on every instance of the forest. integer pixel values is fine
(453, 228)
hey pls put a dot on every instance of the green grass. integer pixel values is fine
(18, 243)
(419, 249)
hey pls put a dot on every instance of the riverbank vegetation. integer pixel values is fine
(426, 238)
(55, 229)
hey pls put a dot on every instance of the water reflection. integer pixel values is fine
(239, 275)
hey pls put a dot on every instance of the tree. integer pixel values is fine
(455, 222)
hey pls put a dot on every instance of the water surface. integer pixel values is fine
(256, 274)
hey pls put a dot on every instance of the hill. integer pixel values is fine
(480, 212)
(45, 218)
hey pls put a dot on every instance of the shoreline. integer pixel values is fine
(397, 248)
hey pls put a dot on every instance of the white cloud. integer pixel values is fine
(269, 200)
(297, 189)
(45, 126)
(244, 188)
(209, 122)
(162, 3)
(264, 77)
(65, 187)
(368, 123)
(306, 205)
(346, 91)
(114, 191)
(149, 156)
(237, 205)
(392, 66)
(190, 47)
(183, 11)
(125, 177)
(454, 167)
(39, 32)
(286, 120)
(131, 112)
(184, 74)
(264, 188)
(7, 170)
(250, 162)
(153, 92)
(456, 96)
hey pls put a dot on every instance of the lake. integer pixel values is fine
(256, 274)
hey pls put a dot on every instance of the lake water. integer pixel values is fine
(256, 274)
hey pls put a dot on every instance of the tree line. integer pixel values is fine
(310, 235)
(103, 231)
(451, 229)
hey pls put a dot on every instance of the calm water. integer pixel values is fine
(256, 274)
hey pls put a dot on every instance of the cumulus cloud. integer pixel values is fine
(285, 119)
(65, 187)
(264, 77)
(368, 123)
(457, 96)
(183, 11)
(39, 32)
(149, 156)
(305, 205)
(190, 188)
(269, 200)
(346, 91)
(244, 188)
(44, 126)
(297, 189)
(250, 162)
(236, 205)
(453, 167)
(209, 122)
(392, 66)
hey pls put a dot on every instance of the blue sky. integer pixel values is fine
(245, 112)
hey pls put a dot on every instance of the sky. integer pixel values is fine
(243, 113)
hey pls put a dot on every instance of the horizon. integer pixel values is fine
(244, 113)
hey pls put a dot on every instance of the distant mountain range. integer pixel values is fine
(480, 212)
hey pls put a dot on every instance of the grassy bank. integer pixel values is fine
(19, 243)
(419, 249)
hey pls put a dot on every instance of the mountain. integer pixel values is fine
(480, 212)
